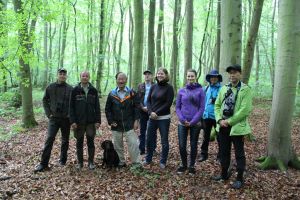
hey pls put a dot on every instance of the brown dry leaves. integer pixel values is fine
(19, 156)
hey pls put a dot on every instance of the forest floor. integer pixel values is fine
(20, 154)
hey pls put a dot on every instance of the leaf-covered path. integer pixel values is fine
(19, 155)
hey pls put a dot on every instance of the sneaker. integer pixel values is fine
(202, 158)
(220, 178)
(79, 166)
(181, 169)
(40, 168)
(122, 164)
(92, 166)
(237, 184)
(162, 165)
(192, 170)
(146, 163)
(61, 163)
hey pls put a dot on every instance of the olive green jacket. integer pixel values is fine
(242, 109)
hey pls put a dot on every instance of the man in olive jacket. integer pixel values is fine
(56, 106)
(85, 117)
(122, 113)
(232, 108)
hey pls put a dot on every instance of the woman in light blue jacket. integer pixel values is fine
(209, 121)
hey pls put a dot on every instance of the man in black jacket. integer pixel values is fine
(85, 117)
(122, 113)
(143, 91)
(56, 106)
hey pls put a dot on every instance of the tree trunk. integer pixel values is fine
(130, 41)
(75, 37)
(174, 58)
(50, 50)
(101, 46)
(280, 151)
(231, 34)
(45, 55)
(64, 40)
(218, 42)
(3, 41)
(249, 51)
(159, 34)
(25, 75)
(121, 35)
(137, 42)
(188, 49)
(151, 44)
(203, 40)
(257, 65)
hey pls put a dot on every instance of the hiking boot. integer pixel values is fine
(192, 170)
(202, 158)
(181, 169)
(237, 184)
(79, 166)
(162, 165)
(91, 166)
(40, 168)
(220, 178)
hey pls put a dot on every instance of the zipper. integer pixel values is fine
(122, 121)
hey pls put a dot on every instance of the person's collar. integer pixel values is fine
(124, 90)
(60, 83)
(86, 86)
(238, 85)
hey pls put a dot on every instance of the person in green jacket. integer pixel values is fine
(232, 108)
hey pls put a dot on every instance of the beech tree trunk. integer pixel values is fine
(231, 35)
(159, 34)
(151, 44)
(174, 58)
(24, 34)
(137, 42)
(101, 46)
(280, 151)
(249, 51)
(188, 49)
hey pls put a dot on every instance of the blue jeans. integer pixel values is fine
(144, 117)
(163, 126)
(182, 137)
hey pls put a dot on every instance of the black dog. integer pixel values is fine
(110, 156)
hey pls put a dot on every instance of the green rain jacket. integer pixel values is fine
(242, 109)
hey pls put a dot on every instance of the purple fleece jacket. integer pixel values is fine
(190, 103)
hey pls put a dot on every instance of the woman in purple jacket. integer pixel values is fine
(189, 109)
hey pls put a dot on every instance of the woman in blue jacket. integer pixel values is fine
(209, 121)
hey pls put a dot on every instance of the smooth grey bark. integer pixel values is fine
(159, 34)
(138, 36)
(286, 72)
(250, 45)
(174, 58)
(151, 43)
(188, 49)
(100, 64)
(231, 35)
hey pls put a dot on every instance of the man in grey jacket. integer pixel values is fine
(56, 105)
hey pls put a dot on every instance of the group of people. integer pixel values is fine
(149, 110)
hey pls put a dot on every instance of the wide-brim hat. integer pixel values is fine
(214, 73)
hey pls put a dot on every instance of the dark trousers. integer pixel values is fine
(207, 126)
(182, 137)
(225, 152)
(53, 126)
(163, 126)
(90, 131)
(144, 117)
